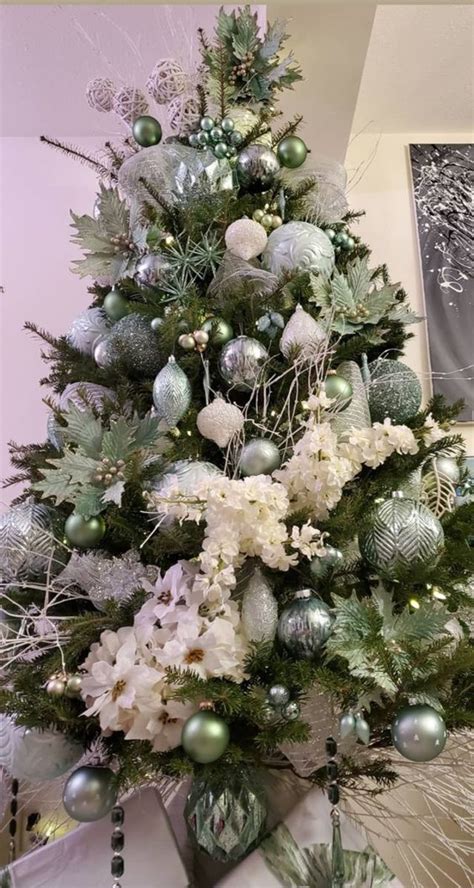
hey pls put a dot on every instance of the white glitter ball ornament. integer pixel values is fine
(100, 93)
(130, 103)
(166, 81)
(220, 421)
(86, 328)
(299, 245)
(302, 336)
(246, 239)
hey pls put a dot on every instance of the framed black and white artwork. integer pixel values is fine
(443, 180)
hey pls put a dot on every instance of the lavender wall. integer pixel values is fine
(48, 54)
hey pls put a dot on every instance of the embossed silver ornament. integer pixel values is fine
(259, 615)
(299, 245)
(305, 625)
(219, 421)
(302, 336)
(171, 393)
(86, 394)
(246, 239)
(27, 544)
(86, 329)
(402, 533)
(242, 361)
(419, 733)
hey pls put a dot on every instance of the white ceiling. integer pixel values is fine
(418, 74)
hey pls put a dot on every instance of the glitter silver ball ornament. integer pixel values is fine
(259, 457)
(241, 362)
(151, 269)
(226, 817)
(90, 794)
(324, 565)
(394, 391)
(278, 695)
(402, 533)
(34, 755)
(219, 421)
(448, 467)
(27, 543)
(305, 625)
(133, 344)
(291, 711)
(246, 239)
(302, 336)
(171, 393)
(87, 328)
(299, 246)
(419, 733)
(259, 612)
(257, 168)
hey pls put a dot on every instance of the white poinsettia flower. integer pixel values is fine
(106, 649)
(163, 725)
(216, 652)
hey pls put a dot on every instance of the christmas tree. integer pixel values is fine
(243, 517)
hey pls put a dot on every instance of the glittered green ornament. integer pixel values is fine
(219, 330)
(85, 533)
(115, 305)
(292, 152)
(393, 390)
(205, 736)
(147, 131)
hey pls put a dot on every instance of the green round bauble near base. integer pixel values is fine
(219, 330)
(115, 305)
(394, 391)
(147, 131)
(85, 533)
(322, 566)
(419, 733)
(292, 152)
(205, 737)
(339, 389)
(305, 625)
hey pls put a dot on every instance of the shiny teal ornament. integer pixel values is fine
(330, 233)
(292, 152)
(216, 134)
(236, 138)
(147, 131)
(220, 150)
(228, 125)
(338, 388)
(323, 566)
(419, 733)
(205, 737)
(85, 533)
(219, 330)
(115, 305)
(203, 138)
(194, 140)
(393, 390)
(305, 625)
(207, 123)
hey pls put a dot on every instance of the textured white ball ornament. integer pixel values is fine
(246, 239)
(301, 333)
(184, 113)
(100, 93)
(130, 103)
(86, 328)
(299, 245)
(220, 421)
(166, 81)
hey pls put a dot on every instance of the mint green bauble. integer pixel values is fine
(85, 533)
(205, 737)
(292, 152)
(147, 131)
(219, 330)
(115, 305)
(339, 388)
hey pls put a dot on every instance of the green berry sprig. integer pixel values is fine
(341, 240)
(220, 136)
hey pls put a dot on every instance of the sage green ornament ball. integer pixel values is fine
(323, 566)
(207, 123)
(338, 388)
(292, 152)
(394, 391)
(89, 793)
(220, 150)
(219, 330)
(116, 306)
(227, 125)
(85, 533)
(259, 457)
(205, 737)
(147, 131)
(419, 733)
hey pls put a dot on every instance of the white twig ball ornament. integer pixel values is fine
(184, 113)
(130, 103)
(100, 94)
(299, 245)
(302, 336)
(220, 421)
(166, 81)
(246, 239)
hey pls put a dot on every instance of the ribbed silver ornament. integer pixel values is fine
(259, 616)
(356, 414)
(171, 393)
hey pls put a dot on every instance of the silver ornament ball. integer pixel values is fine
(87, 328)
(278, 695)
(291, 711)
(133, 344)
(305, 625)
(55, 687)
(257, 167)
(394, 390)
(419, 733)
(241, 362)
(90, 793)
(74, 686)
(299, 245)
(259, 457)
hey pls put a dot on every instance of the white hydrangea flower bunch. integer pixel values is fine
(432, 432)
